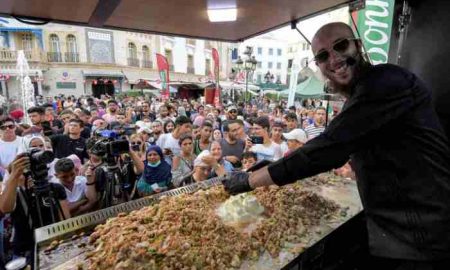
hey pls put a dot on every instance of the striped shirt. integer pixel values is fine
(313, 131)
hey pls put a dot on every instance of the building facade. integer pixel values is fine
(75, 60)
(271, 56)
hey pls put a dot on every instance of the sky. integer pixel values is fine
(310, 26)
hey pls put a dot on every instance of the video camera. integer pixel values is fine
(109, 144)
(38, 165)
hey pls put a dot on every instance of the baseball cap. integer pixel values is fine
(145, 129)
(231, 107)
(296, 134)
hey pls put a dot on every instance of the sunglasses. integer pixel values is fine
(7, 126)
(136, 143)
(233, 111)
(339, 46)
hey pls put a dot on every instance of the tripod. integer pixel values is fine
(115, 188)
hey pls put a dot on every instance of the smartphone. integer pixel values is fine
(135, 147)
(257, 139)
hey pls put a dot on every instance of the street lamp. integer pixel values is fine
(247, 65)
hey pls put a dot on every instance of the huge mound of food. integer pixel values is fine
(185, 232)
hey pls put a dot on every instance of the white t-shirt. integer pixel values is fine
(284, 147)
(272, 152)
(8, 151)
(168, 141)
(78, 191)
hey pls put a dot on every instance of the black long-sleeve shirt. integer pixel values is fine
(401, 159)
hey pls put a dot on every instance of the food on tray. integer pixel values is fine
(186, 232)
(241, 208)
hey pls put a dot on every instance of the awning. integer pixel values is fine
(134, 77)
(102, 73)
(238, 86)
(190, 85)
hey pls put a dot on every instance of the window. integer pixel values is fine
(306, 46)
(207, 66)
(72, 51)
(190, 64)
(278, 65)
(259, 65)
(279, 52)
(270, 65)
(54, 43)
(270, 51)
(168, 54)
(27, 42)
(132, 52)
(259, 50)
(71, 44)
(146, 59)
(145, 53)
(290, 63)
(278, 79)
(259, 78)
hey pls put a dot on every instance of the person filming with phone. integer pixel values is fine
(260, 143)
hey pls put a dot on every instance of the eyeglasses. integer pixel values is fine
(7, 126)
(136, 143)
(339, 46)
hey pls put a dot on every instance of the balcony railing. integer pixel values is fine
(11, 56)
(133, 62)
(72, 57)
(147, 64)
(171, 68)
(54, 57)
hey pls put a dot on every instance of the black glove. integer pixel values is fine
(237, 182)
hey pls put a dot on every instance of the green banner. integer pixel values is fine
(66, 85)
(375, 27)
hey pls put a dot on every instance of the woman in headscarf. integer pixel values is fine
(157, 173)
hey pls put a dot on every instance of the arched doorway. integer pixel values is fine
(102, 87)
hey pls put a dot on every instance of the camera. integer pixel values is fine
(38, 164)
(110, 144)
(257, 139)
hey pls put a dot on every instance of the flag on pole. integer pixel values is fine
(375, 26)
(163, 69)
(215, 56)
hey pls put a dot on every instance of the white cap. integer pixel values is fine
(198, 162)
(296, 134)
(145, 129)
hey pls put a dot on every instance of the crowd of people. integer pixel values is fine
(170, 144)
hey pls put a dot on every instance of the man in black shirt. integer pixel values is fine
(65, 145)
(145, 111)
(399, 152)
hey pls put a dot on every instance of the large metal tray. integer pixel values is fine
(65, 229)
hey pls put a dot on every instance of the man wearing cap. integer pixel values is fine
(296, 138)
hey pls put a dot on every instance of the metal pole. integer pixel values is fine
(246, 85)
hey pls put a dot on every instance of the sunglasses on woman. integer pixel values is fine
(136, 143)
(340, 46)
